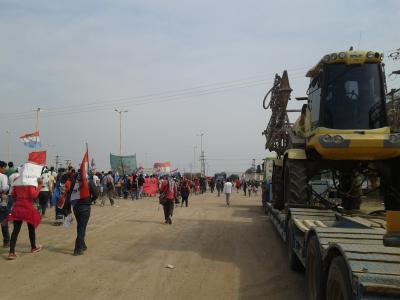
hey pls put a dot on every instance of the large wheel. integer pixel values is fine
(295, 182)
(294, 262)
(339, 284)
(277, 188)
(314, 272)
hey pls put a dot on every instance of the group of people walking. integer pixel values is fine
(72, 192)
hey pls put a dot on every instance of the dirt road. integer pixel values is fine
(218, 252)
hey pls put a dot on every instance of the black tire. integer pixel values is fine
(295, 179)
(277, 188)
(294, 262)
(315, 279)
(338, 286)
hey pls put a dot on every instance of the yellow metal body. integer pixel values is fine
(393, 222)
(353, 144)
(346, 57)
(296, 154)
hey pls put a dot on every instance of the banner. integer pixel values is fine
(29, 173)
(37, 157)
(162, 167)
(124, 165)
(150, 186)
(32, 140)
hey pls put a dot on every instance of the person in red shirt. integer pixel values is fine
(169, 192)
(23, 210)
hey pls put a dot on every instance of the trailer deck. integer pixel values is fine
(374, 268)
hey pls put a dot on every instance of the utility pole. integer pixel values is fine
(202, 159)
(253, 165)
(8, 132)
(68, 162)
(57, 161)
(194, 158)
(120, 127)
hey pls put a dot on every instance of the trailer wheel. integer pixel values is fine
(294, 262)
(295, 182)
(277, 188)
(314, 271)
(338, 285)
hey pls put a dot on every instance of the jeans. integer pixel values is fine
(140, 191)
(6, 233)
(109, 194)
(185, 200)
(82, 214)
(15, 233)
(168, 209)
(43, 201)
(135, 194)
(4, 211)
(227, 195)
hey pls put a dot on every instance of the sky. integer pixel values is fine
(180, 68)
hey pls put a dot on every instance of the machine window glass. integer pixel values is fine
(353, 98)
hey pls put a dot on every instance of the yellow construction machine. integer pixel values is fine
(343, 128)
(342, 135)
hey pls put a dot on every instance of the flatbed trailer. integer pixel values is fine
(343, 254)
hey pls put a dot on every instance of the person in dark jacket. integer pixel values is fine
(185, 191)
(82, 210)
(140, 185)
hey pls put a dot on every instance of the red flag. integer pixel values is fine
(84, 186)
(38, 157)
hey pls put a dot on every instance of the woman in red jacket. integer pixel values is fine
(23, 210)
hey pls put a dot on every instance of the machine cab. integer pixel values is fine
(347, 92)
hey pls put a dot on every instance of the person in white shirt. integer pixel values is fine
(44, 194)
(3, 204)
(227, 191)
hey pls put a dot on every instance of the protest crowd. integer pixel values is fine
(71, 192)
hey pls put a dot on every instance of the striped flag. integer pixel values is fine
(32, 140)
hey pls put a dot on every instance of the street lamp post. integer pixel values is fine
(194, 158)
(120, 112)
(202, 166)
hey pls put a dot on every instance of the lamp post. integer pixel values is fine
(194, 158)
(120, 112)
(202, 166)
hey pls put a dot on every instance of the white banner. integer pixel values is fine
(29, 173)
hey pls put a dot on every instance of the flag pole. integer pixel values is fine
(37, 110)
(87, 150)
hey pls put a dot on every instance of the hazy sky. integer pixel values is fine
(179, 67)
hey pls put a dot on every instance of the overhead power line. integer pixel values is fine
(146, 99)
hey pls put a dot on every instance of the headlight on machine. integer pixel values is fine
(333, 56)
(326, 138)
(326, 58)
(370, 54)
(342, 55)
(394, 138)
(337, 139)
